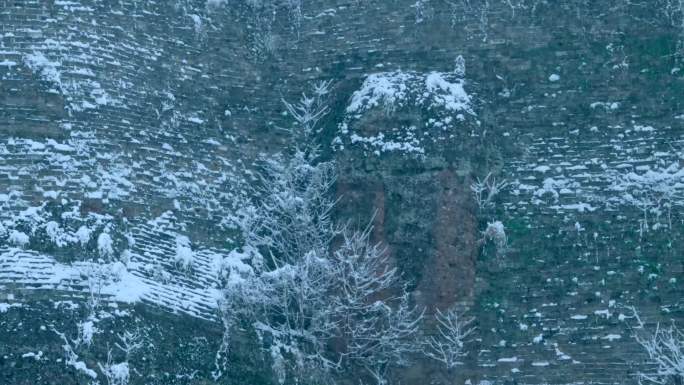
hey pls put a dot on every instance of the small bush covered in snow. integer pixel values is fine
(496, 233)
(18, 238)
(184, 255)
(105, 245)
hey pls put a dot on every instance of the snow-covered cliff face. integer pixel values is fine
(100, 162)
(128, 130)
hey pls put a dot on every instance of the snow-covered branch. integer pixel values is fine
(496, 233)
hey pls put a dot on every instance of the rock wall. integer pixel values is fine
(128, 130)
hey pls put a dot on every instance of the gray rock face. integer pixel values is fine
(128, 131)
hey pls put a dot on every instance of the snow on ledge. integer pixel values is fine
(126, 283)
(441, 95)
(391, 90)
(386, 89)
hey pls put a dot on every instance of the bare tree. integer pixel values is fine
(380, 329)
(447, 346)
(96, 278)
(345, 300)
(292, 216)
(322, 300)
(486, 189)
(665, 349)
(655, 192)
(463, 10)
(308, 111)
(118, 373)
(130, 342)
(115, 373)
